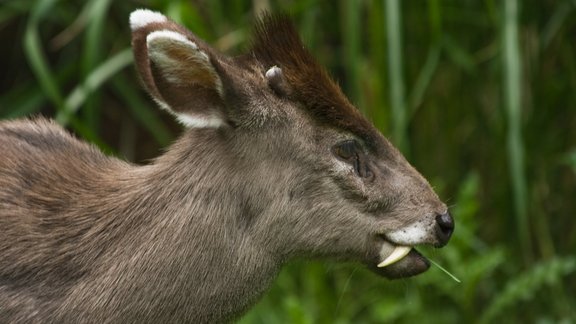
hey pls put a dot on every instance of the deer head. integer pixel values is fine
(323, 180)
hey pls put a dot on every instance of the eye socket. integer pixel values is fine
(350, 151)
(347, 150)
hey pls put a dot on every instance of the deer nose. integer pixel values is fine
(444, 228)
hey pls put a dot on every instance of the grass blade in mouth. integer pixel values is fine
(445, 271)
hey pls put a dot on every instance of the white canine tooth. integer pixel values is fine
(398, 253)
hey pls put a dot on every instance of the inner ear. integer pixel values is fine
(187, 83)
(193, 105)
(180, 62)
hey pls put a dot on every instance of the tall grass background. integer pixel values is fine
(479, 95)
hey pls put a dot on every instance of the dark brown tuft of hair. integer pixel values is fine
(277, 43)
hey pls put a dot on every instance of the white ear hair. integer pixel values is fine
(142, 17)
(200, 121)
(172, 35)
(193, 120)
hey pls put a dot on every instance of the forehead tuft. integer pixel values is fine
(276, 43)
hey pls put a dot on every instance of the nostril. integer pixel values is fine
(445, 221)
(446, 224)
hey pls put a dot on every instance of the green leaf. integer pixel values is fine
(94, 80)
(525, 286)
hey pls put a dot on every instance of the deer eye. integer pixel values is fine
(350, 152)
(347, 151)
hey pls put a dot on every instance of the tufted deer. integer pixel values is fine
(275, 163)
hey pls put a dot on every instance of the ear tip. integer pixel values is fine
(141, 17)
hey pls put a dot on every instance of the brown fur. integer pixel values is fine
(276, 42)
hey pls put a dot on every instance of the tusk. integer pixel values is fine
(398, 253)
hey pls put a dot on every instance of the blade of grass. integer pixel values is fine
(559, 17)
(458, 54)
(142, 111)
(512, 86)
(92, 53)
(36, 57)
(96, 78)
(424, 78)
(432, 58)
(397, 100)
(74, 28)
(445, 271)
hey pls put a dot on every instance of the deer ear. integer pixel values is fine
(177, 70)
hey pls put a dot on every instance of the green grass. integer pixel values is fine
(512, 62)
(479, 93)
(395, 73)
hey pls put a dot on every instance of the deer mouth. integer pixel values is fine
(398, 261)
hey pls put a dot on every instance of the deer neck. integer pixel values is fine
(198, 227)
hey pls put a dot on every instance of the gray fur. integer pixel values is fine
(199, 234)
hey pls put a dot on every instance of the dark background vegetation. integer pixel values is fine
(479, 95)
